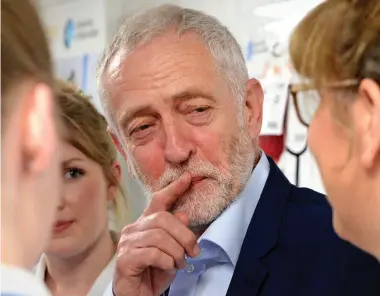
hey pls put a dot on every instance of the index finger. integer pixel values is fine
(164, 199)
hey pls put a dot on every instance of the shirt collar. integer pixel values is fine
(102, 280)
(228, 231)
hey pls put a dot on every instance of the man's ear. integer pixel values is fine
(119, 147)
(367, 120)
(39, 126)
(253, 108)
(116, 141)
(116, 172)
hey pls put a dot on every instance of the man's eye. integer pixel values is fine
(143, 127)
(141, 131)
(201, 109)
(73, 173)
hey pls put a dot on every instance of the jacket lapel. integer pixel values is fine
(262, 235)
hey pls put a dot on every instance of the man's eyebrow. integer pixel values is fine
(192, 94)
(127, 116)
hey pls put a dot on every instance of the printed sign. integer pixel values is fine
(274, 106)
(73, 28)
(70, 69)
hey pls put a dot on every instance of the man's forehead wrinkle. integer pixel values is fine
(154, 66)
(160, 54)
(151, 79)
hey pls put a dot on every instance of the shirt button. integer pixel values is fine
(190, 268)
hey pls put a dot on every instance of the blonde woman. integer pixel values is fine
(337, 48)
(81, 255)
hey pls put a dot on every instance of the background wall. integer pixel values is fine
(80, 29)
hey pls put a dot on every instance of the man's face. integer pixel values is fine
(175, 113)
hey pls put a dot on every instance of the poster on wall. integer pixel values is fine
(90, 84)
(274, 106)
(71, 69)
(81, 71)
(74, 29)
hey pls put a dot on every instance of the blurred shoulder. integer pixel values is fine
(17, 281)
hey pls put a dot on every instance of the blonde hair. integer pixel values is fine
(338, 40)
(88, 133)
(24, 51)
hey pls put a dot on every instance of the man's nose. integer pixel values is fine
(178, 146)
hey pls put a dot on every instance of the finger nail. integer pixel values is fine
(196, 250)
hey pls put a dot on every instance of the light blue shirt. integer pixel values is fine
(211, 272)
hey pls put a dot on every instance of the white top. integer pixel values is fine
(101, 283)
(17, 281)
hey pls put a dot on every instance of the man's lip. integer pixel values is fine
(197, 179)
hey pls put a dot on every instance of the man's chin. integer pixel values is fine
(201, 209)
(198, 220)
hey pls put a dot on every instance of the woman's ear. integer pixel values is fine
(116, 172)
(367, 121)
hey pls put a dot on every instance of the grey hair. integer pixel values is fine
(142, 27)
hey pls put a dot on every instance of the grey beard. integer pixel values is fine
(207, 204)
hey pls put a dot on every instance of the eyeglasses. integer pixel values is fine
(307, 99)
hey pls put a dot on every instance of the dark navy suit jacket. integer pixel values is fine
(291, 249)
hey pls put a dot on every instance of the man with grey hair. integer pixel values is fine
(223, 219)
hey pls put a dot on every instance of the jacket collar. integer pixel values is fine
(262, 234)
